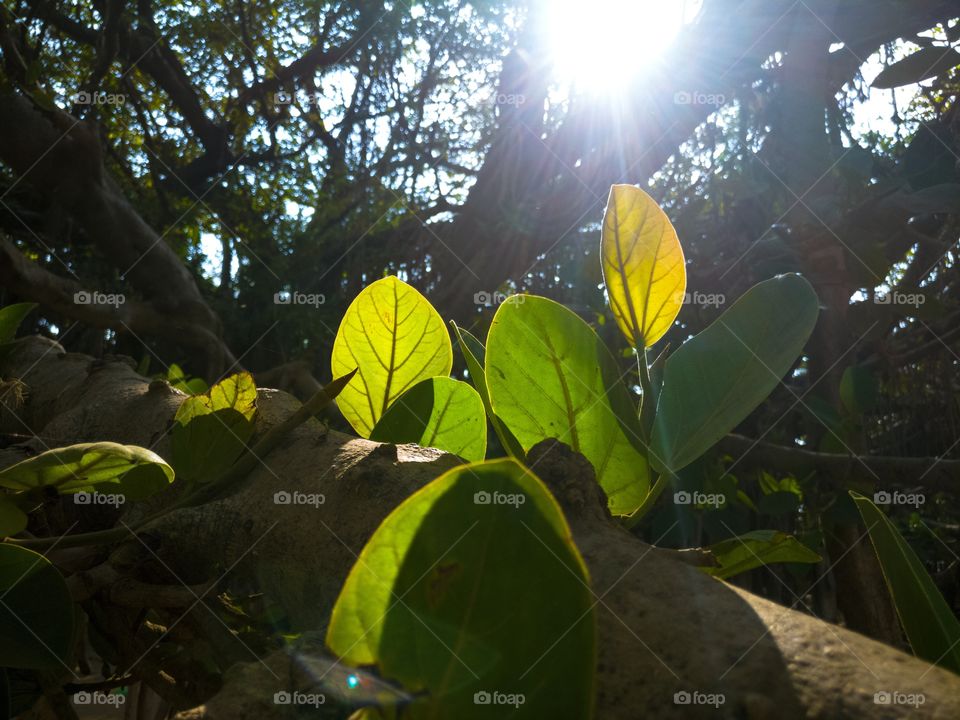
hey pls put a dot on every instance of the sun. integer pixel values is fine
(596, 46)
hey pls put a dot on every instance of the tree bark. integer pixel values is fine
(663, 626)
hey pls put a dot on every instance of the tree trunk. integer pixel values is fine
(663, 626)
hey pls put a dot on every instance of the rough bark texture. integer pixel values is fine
(664, 626)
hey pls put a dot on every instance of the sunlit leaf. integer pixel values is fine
(212, 429)
(929, 623)
(753, 549)
(716, 379)
(474, 355)
(396, 339)
(437, 412)
(10, 318)
(85, 467)
(550, 376)
(495, 598)
(36, 615)
(643, 265)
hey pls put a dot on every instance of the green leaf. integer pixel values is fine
(753, 549)
(36, 615)
(859, 390)
(178, 379)
(716, 379)
(474, 355)
(396, 339)
(12, 518)
(929, 623)
(473, 585)
(86, 467)
(643, 265)
(10, 318)
(550, 376)
(921, 65)
(438, 412)
(212, 429)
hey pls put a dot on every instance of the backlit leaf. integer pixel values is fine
(473, 585)
(437, 412)
(921, 65)
(929, 623)
(12, 518)
(10, 318)
(716, 379)
(643, 265)
(85, 467)
(753, 549)
(396, 339)
(212, 429)
(550, 376)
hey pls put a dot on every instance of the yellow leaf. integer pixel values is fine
(396, 339)
(643, 265)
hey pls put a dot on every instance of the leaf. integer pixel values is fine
(36, 615)
(643, 265)
(716, 379)
(550, 376)
(473, 585)
(86, 467)
(212, 429)
(928, 621)
(474, 355)
(439, 412)
(12, 518)
(178, 379)
(921, 65)
(859, 390)
(757, 548)
(10, 318)
(395, 337)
